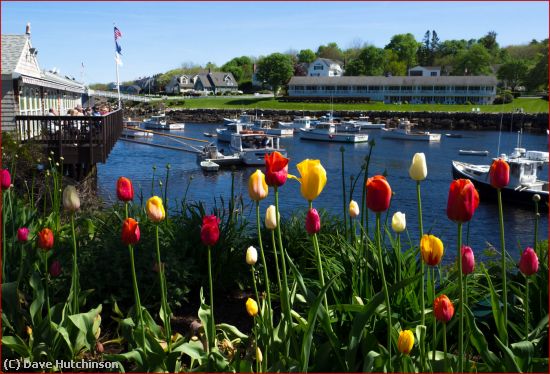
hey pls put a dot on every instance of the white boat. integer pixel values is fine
(253, 146)
(326, 131)
(270, 128)
(224, 134)
(159, 123)
(471, 152)
(404, 132)
(244, 119)
(523, 184)
(209, 165)
(304, 122)
(213, 154)
(132, 132)
(363, 123)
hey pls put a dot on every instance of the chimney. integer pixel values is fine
(28, 29)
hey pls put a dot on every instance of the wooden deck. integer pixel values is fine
(82, 141)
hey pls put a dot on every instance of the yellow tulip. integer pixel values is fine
(398, 222)
(71, 201)
(251, 307)
(313, 178)
(257, 187)
(418, 170)
(155, 209)
(353, 209)
(259, 356)
(405, 342)
(431, 249)
(270, 218)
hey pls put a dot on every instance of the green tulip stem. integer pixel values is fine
(274, 245)
(126, 209)
(461, 302)
(47, 286)
(21, 258)
(503, 264)
(526, 307)
(266, 277)
(163, 293)
(253, 272)
(385, 287)
(537, 216)
(136, 297)
(445, 364)
(212, 332)
(422, 291)
(74, 281)
(398, 257)
(255, 328)
(315, 242)
(434, 324)
(286, 297)
(4, 242)
(342, 149)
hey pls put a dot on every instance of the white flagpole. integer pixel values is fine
(117, 80)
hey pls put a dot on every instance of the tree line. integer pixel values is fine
(515, 66)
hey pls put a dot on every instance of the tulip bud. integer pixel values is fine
(353, 209)
(99, 347)
(499, 173)
(45, 239)
(313, 222)
(5, 179)
(155, 209)
(418, 169)
(443, 309)
(270, 218)
(405, 342)
(55, 269)
(431, 249)
(124, 189)
(251, 255)
(210, 231)
(468, 260)
(23, 234)
(157, 268)
(257, 187)
(398, 222)
(251, 307)
(259, 356)
(529, 262)
(29, 330)
(130, 231)
(71, 201)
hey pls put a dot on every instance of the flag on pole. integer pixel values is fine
(118, 59)
(118, 34)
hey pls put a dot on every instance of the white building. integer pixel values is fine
(324, 67)
(413, 90)
(425, 71)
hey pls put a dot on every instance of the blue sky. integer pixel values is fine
(158, 36)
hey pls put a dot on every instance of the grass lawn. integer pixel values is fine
(529, 105)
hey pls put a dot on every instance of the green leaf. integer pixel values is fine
(38, 298)
(509, 358)
(480, 343)
(497, 311)
(230, 329)
(524, 352)
(10, 304)
(193, 349)
(16, 344)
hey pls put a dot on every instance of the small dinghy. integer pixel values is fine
(471, 152)
(209, 166)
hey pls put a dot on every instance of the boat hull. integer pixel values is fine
(520, 197)
(391, 134)
(335, 138)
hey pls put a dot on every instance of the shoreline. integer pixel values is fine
(534, 123)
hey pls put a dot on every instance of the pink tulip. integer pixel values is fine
(55, 269)
(529, 262)
(468, 260)
(313, 222)
(23, 234)
(5, 179)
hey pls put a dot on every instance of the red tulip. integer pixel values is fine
(23, 234)
(313, 222)
(468, 260)
(210, 232)
(443, 309)
(463, 200)
(499, 173)
(124, 189)
(276, 169)
(45, 239)
(55, 269)
(378, 194)
(5, 179)
(529, 262)
(130, 231)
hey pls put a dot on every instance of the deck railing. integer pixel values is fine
(79, 139)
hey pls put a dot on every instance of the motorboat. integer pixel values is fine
(453, 135)
(252, 146)
(209, 165)
(159, 122)
(224, 134)
(472, 152)
(404, 132)
(244, 119)
(133, 132)
(304, 122)
(362, 123)
(211, 153)
(270, 128)
(523, 184)
(326, 131)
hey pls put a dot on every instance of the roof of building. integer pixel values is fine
(54, 77)
(397, 80)
(329, 61)
(218, 79)
(12, 48)
(426, 67)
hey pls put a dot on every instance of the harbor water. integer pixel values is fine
(136, 161)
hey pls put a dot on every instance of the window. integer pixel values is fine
(311, 88)
(393, 88)
(342, 88)
(433, 74)
(415, 73)
(318, 67)
(329, 88)
(406, 88)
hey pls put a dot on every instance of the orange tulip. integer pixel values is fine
(124, 189)
(276, 169)
(378, 194)
(463, 200)
(45, 239)
(130, 231)
(443, 309)
(499, 173)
